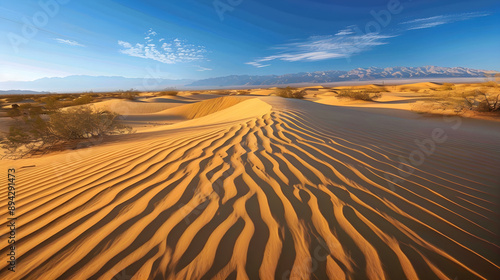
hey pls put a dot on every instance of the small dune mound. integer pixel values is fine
(262, 92)
(362, 87)
(424, 85)
(204, 108)
(128, 107)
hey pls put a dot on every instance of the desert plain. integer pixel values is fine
(244, 184)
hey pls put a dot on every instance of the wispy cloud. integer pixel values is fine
(258, 64)
(163, 50)
(346, 31)
(351, 41)
(342, 45)
(201, 68)
(68, 42)
(429, 22)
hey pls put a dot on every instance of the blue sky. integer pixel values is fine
(197, 39)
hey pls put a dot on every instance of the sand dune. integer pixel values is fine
(204, 108)
(267, 188)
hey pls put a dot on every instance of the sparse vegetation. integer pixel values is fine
(484, 98)
(51, 102)
(83, 99)
(243, 92)
(290, 92)
(483, 102)
(36, 131)
(365, 95)
(447, 86)
(129, 94)
(168, 92)
(223, 92)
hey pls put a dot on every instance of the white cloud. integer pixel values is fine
(324, 47)
(170, 52)
(257, 64)
(68, 42)
(151, 32)
(202, 69)
(429, 22)
(346, 31)
(350, 41)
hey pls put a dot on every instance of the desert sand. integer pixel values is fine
(265, 187)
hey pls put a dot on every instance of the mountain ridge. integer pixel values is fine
(358, 74)
(79, 83)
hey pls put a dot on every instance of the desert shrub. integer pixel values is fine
(242, 92)
(383, 89)
(129, 94)
(14, 111)
(168, 92)
(359, 95)
(482, 102)
(492, 84)
(26, 106)
(51, 102)
(290, 92)
(19, 97)
(223, 92)
(36, 132)
(447, 86)
(83, 100)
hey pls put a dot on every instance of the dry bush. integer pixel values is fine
(492, 84)
(129, 94)
(447, 86)
(481, 101)
(168, 92)
(375, 90)
(14, 111)
(365, 95)
(242, 92)
(441, 107)
(51, 102)
(19, 97)
(459, 102)
(38, 132)
(83, 100)
(290, 92)
(223, 92)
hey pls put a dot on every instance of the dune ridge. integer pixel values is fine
(284, 190)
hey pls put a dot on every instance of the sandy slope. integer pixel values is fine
(268, 188)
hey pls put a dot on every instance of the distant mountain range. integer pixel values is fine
(2, 92)
(79, 83)
(359, 74)
(105, 83)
